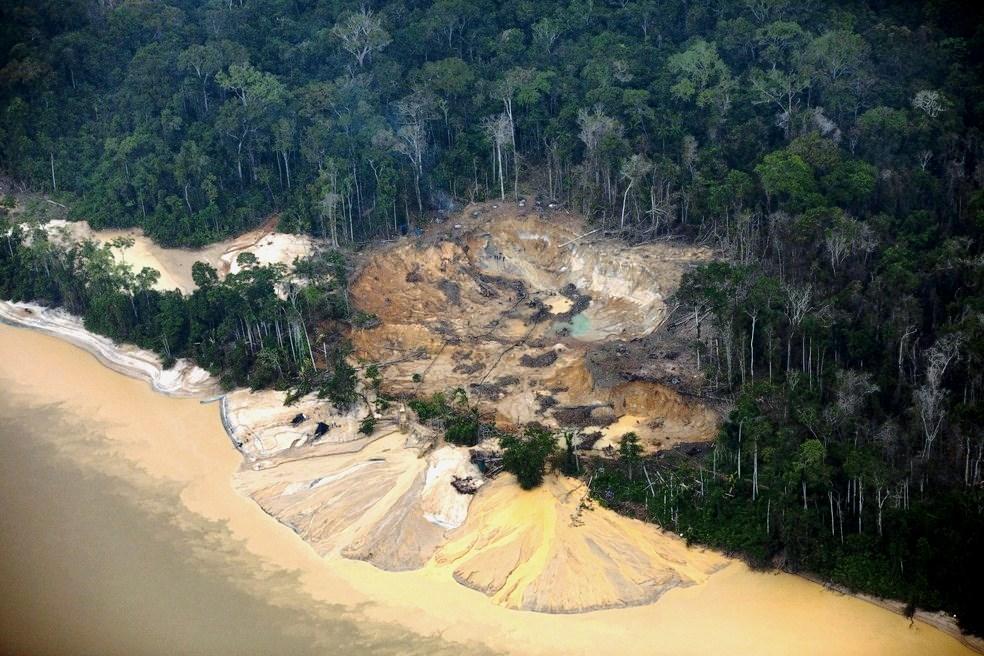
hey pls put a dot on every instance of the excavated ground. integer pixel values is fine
(535, 324)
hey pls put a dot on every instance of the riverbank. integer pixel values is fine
(734, 610)
(184, 379)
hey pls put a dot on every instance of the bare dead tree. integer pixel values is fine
(360, 34)
(498, 129)
(930, 396)
(797, 305)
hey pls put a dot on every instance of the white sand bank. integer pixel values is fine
(184, 379)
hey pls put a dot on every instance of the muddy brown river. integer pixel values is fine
(120, 533)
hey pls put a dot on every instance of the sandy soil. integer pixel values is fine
(731, 611)
(174, 264)
(263, 427)
(552, 550)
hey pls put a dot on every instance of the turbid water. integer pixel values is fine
(99, 558)
(120, 533)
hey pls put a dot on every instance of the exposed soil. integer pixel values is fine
(504, 292)
(174, 264)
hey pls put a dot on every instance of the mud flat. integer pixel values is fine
(731, 610)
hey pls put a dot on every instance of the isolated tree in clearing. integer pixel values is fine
(526, 455)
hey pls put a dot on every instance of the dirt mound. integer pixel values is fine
(546, 550)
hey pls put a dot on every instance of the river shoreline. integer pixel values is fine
(380, 581)
(183, 380)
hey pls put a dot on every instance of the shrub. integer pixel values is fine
(368, 425)
(526, 455)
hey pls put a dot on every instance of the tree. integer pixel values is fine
(849, 183)
(809, 466)
(786, 177)
(259, 94)
(410, 139)
(526, 455)
(525, 86)
(780, 42)
(448, 80)
(633, 169)
(208, 59)
(497, 128)
(702, 78)
(782, 89)
(836, 54)
(932, 103)
(846, 237)
(630, 452)
(930, 395)
(596, 129)
(360, 34)
(449, 18)
(204, 275)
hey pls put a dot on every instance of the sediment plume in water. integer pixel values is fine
(181, 442)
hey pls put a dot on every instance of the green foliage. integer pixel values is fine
(236, 328)
(569, 463)
(368, 425)
(340, 381)
(629, 452)
(340, 119)
(374, 376)
(849, 183)
(800, 512)
(462, 428)
(789, 179)
(461, 421)
(831, 164)
(526, 455)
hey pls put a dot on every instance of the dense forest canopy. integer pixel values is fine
(194, 119)
(830, 152)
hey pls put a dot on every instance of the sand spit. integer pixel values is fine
(184, 379)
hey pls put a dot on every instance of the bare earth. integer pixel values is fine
(498, 302)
